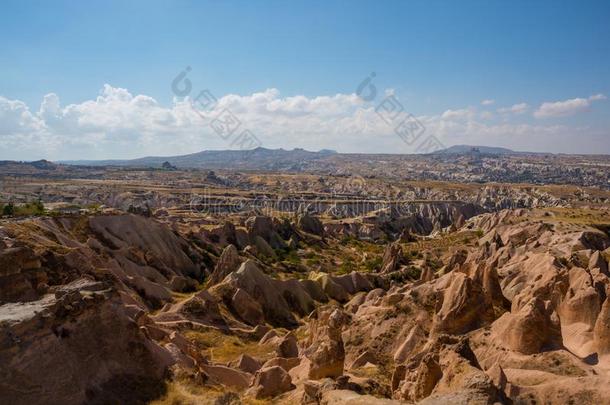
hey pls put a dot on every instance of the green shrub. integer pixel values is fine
(373, 264)
(8, 209)
(30, 208)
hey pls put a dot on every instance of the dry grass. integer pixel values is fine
(224, 348)
(581, 216)
(183, 392)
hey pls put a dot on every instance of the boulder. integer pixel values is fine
(597, 261)
(288, 346)
(286, 364)
(227, 376)
(270, 382)
(247, 364)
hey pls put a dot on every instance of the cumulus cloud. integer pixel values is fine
(464, 113)
(567, 107)
(118, 124)
(121, 125)
(488, 102)
(514, 109)
(486, 115)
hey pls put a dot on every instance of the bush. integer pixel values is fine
(33, 208)
(8, 209)
(373, 264)
(292, 257)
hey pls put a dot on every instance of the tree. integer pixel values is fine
(39, 206)
(9, 209)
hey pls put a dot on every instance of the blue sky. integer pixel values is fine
(435, 56)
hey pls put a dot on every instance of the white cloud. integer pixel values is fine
(15, 117)
(567, 107)
(488, 102)
(514, 109)
(117, 124)
(460, 114)
(486, 115)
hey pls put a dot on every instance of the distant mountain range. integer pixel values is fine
(259, 158)
(262, 158)
(489, 150)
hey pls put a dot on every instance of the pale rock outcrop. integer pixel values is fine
(247, 308)
(597, 261)
(498, 377)
(165, 249)
(268, 337)
(270, 382)
(355, 282)
(285, 363)
(201, 308)
(462, 306)
(392, 258)
(331, 288)
(325, 345)
(288, 347)
(247, 364)
(353, 304)
(420, 381)
(59, 329)
(582, 302)
(21, 275)
(601, 331)
(415, 337)
(530, 329)
(447, 368)
(227, 376)
(228, 262)
(277, 298)
(363, 360)
(347, 397)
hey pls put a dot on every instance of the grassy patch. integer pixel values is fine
(224, 348)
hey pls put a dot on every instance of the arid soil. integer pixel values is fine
(228, 288)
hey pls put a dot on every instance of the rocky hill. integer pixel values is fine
(503, 307)
(255, 159)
